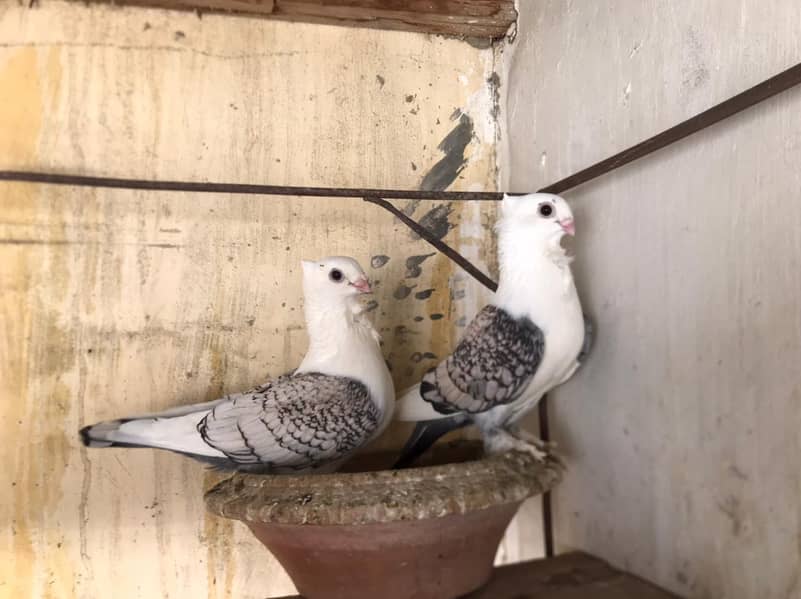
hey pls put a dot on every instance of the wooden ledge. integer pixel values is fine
(463, 18)
(569, 576)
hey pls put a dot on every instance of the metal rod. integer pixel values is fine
(440, 245)
(767, 89)
(247, 188)
(750, 97)
(547, 511)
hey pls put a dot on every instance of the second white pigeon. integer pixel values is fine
(529, 339)
(338, 399)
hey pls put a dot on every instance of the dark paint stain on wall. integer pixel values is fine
(425, 294)
(379, 261)
(419, 357)
(494, 84)
(453, 145)
(413, 263)
(436, 221)
(402, 334)
(410, 207)
(402, 291)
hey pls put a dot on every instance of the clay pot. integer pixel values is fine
(429, 532)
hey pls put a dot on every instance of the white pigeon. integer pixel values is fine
(525, 342)
(339, 398)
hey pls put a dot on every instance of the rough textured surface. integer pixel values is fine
(681, 432)
(116, 302)
(382, 496)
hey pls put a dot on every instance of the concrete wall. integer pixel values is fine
(683, 431)
(117, 302)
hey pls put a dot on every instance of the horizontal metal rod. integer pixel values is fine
(247, 188)
(750, 97)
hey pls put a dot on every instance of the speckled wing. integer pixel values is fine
(492, 364)
(296, 422)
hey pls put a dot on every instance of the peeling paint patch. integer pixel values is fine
(402, 291)
(494, 85)
(410, 207)
(413, 263)
(402, 334)
(436, 221)
(379, 260)
(445, 172)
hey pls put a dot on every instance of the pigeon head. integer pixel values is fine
(540, 214)
(334, 277)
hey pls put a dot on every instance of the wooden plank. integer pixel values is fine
(470, 18)
(569, 576)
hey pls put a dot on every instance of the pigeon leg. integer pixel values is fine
(533, 439)
(500, 441)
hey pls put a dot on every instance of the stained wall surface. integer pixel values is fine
(683, 430)
(120, 302)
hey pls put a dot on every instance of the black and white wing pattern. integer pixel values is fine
(492, 364)
(294, 423)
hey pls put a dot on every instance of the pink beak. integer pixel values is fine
(363, 285)
(568, 226)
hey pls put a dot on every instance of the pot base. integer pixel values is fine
(435, 558)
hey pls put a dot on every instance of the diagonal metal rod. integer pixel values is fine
(440, 245)
(762, 91)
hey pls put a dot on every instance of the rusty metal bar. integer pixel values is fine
(246, 188)
(762, 91)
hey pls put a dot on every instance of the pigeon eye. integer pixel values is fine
(336, 275)
(546, 210)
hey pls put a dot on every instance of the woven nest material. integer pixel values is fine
(347, 498)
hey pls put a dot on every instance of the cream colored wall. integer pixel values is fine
(683, 430)
(121, 302)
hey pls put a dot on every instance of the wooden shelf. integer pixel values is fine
(463, 18)
(570, 576)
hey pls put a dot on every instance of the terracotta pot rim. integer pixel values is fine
(382, 496)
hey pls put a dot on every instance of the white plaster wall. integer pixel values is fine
(683, 431)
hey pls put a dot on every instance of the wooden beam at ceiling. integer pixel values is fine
(463, 18)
